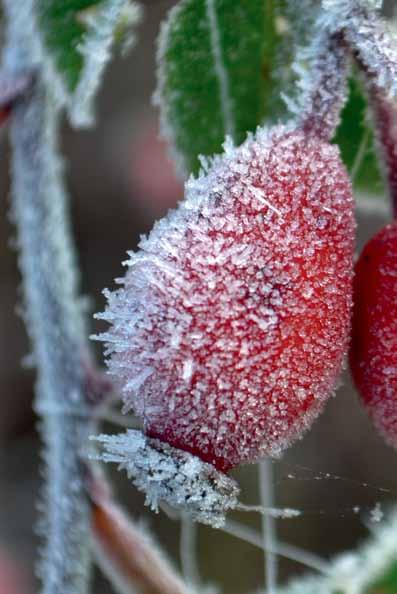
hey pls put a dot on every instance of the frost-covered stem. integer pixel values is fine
(324, 86)
(384, 112)
(374, 50)
(54, 323)
(368, 37)
(53, 316)
(268, 524)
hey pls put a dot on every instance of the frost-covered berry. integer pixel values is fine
(228, 333)
(373, 354)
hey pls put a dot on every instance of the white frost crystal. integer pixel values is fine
(168, 475)
(368, 37)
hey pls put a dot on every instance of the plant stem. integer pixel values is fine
(54, 324)
(268, 525)
(188, 551)
(53, 315)
(323, 88)
(282, 549)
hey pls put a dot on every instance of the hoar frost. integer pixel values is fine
(172, 476)
(229, 330)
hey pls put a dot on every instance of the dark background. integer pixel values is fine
(119, 183)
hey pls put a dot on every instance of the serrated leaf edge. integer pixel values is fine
(96, 50)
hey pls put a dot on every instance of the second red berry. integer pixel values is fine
(373, 354)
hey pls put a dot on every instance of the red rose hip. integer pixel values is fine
(229, 331)
(373, 354)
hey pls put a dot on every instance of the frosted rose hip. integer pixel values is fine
(373, 354)
(230, 328)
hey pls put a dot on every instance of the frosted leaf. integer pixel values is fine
(240, 306)
(71, 45)
(225, 45)
(354, 572)
(168, 475)
(74, 44)
(222, 66)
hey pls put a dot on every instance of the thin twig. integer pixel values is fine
(360, 154)
(266, 488)
(53, 315)
(324, 86)
(188, 550)
(283, 549)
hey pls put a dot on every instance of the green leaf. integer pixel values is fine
(63, 29)
(356, 141)
(76, 37)
(221, 66)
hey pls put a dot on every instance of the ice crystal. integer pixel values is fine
(168, 475)
(231, 324)
(369, 38)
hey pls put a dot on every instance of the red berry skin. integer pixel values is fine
(229, 332)
(373, 353)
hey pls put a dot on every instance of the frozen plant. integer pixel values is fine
(228, 332)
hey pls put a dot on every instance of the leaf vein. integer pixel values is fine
(220, 69)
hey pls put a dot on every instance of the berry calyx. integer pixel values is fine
(373, 353)
(228, 334)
